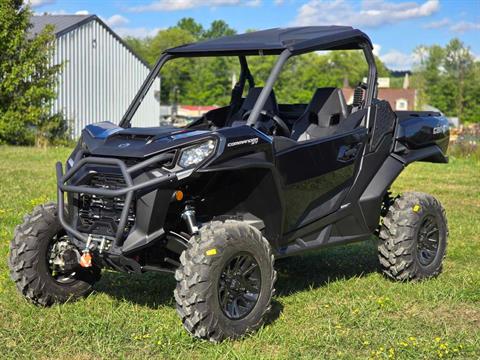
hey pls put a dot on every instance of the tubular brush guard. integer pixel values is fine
(128, 191)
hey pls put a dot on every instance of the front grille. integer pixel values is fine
(99, 214)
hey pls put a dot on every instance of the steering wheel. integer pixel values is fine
(280, 124)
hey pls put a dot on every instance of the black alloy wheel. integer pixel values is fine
(225, 282)
(413, 237)
(239, 286)
(427, 243)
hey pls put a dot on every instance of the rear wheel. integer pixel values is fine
(44, 264)
(413, 238)
(225, 281)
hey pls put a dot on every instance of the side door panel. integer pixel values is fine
(317, 174)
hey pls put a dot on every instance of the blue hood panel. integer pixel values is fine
(108, 139)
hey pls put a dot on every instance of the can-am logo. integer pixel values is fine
(124, 145)
(252, 141)
(440, 129)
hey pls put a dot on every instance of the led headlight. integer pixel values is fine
(194, 155)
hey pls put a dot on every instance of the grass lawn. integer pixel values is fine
(329, 304)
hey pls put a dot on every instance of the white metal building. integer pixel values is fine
(101, 74)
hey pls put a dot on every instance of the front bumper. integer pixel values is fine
(136, 185)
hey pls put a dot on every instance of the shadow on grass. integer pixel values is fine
(295, 274)
(315, 269)
(153, 290)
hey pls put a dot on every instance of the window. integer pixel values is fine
(401, 104)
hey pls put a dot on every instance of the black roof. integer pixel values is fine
(274, 41)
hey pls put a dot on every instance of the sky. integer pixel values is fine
(395, 27)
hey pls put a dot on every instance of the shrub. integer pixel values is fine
(466, 142)
(27, 80)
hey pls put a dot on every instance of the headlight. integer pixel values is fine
(194, 155)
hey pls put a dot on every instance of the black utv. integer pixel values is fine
(217, 201)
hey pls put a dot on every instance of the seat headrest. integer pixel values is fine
(252, 96)
(328, 101)
(326, 108)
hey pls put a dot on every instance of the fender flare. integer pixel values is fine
(431, 153)
(372, 197)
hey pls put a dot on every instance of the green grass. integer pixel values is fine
(330, 304)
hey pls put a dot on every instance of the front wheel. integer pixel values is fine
(44, 264)
(413, 238)
(225, 281)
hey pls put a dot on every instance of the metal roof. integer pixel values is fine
(62, 23)
(274, 41)
(66, 23)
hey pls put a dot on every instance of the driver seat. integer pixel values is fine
(271, 105)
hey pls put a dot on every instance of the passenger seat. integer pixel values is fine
(326, 110)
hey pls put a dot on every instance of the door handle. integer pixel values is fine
(348, 152)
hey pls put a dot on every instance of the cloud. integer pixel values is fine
(464, 26)
(38, 3)
(437, 24)
(138, 32)
(62, 12)
(56, 12)
(371, 13)
(376, 49)
(278, 2)
(116, 20)
(176, 5)
(397, 60)
(458, 27)
(253, 3)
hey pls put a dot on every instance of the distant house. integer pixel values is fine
(399, 98)
(185, 111)
(194, 110)
(101, 74)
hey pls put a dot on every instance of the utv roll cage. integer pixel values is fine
(285, 42)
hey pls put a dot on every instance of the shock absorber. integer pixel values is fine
(188, 215)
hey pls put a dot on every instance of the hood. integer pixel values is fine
(108, 139)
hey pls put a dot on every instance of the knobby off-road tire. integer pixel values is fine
(201, 280)
(413, 238)
(29, 264)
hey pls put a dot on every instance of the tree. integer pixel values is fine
(177, 73)
(458, 64)
(27, 80)
(471, 108)
(210, 82)
(448, 79)
(218, 28)
(191, 26)
(165, 39)
(140, 46)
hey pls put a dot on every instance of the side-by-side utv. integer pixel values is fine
(217, 201)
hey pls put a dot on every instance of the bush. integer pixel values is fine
(465, 142)
(27, 81)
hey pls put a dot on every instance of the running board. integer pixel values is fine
(299, 245)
